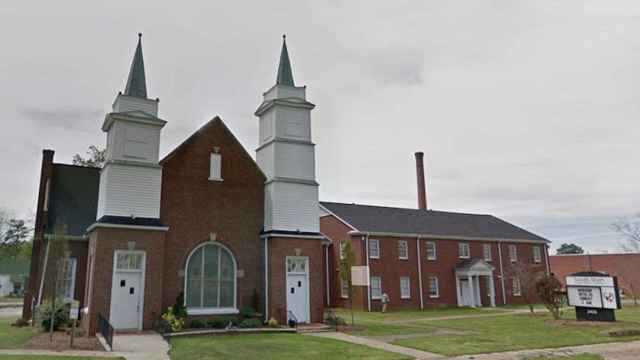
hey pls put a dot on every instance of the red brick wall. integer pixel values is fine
(194, 207)
(102, 244)
(390, 268)
(278, 250)
(625, 266)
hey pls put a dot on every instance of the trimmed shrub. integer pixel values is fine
(250, 323)
(222, 322)
(198, 324)
(247, 312)
(60, 317)
(273, 323)
(334, 320)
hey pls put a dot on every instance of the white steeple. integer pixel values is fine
(286, 154)
(131, 177)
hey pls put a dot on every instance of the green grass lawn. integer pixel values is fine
(271, 346)
(14, 337)
(38, 357)
(485, 334)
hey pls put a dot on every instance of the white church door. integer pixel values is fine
(465, 292)
(127, 290)
(298, 288)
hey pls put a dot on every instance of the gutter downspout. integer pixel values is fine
(504, 293)
(326, 260)
(418, 256)
(366, 245)
(44, 271)
(266, 279)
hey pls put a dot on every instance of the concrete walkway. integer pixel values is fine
(611, 351)
(416, 354)
(148, 346)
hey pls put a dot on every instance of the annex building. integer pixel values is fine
(209, 224)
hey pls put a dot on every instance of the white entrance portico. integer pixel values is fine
(468, 273)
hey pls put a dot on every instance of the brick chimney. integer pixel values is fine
(422, 192)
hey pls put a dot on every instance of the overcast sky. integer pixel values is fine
(527, 110)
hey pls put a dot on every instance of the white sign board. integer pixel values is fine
(589, 281)
(592, 292)
(73, 311)
(584, 296)
(360, 275)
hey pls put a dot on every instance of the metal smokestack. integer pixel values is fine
(422, 191)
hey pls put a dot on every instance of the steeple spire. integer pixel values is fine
(136, 83)
(285, 75)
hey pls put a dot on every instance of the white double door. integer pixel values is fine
(127, 292)
(298, 289)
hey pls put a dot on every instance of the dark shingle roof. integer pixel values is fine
(381, 219)
(73, 198)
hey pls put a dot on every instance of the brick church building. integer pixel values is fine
(209, 224)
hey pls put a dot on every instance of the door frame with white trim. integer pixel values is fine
(308, 285)
(141, 270)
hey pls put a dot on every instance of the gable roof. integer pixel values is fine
(73, 198)
(391, 220)
(202, 130)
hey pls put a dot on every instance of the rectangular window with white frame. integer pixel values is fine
(537, 255)
(516, 290)
(513, 253)
(342, 244)
(374, 249)
(403, 250)
(376, 287)
(431, 251)
(434, 287)
(487, 252)
(344, 289)
(463, 250)
(215, 167)
(405, 287)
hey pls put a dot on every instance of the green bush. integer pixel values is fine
(198, 324)
(334, 320)
(250, 323)
(222, 322)
(179, 310)
(60, 317)
(247, 312)
(175, 323)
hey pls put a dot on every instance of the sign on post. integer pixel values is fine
(74, 310)
(360, 275)
(595, 295)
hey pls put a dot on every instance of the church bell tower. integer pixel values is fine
(286, 155)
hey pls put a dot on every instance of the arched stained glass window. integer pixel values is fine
(211, 278)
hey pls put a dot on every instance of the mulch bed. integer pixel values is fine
(61, 342)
